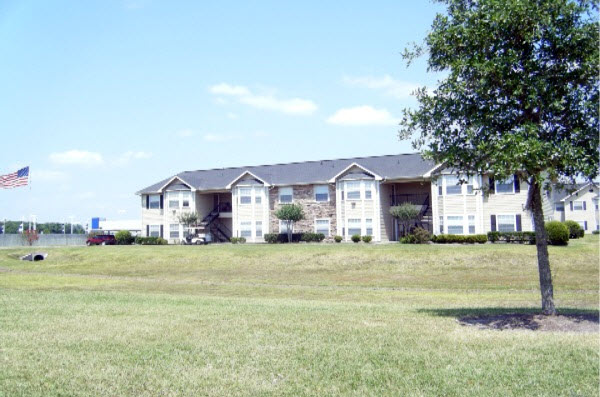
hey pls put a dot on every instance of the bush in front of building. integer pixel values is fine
(150, 241)
(595, 231)
(312, 237)
(273, 238)
(459, 238)
(575, 229)
(421, 236)
(124, 237)
(355, 238)
(558, 233)
(366, 239)
(270, 238)
(237, 240)
(512, 237)
(338, 239)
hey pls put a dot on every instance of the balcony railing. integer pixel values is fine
(416, 199)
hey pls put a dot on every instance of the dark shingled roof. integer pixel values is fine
(559, 194)
(398, 166)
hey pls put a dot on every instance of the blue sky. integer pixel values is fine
(103, 98)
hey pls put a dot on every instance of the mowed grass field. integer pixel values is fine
(295, 320)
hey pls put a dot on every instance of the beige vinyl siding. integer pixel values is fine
(589, 215)
(506, 203)
(385, 219)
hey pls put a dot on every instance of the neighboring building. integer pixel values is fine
(576, 202)
(340, 197)
(111, 227)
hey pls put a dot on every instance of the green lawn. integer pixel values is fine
(318, 320)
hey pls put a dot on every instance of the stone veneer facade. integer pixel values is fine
(305, 196)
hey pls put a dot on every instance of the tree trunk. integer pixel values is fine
(289, 231)
(534, 204)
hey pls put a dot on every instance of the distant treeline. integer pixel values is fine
(12, 227)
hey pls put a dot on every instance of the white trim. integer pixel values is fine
(168, 183)
(506, 193)
(242, 175)
(377, 177)
(428, 173)
(580, 189)
(328, 225)
(279, 194)
(514, 220)
(326, 186)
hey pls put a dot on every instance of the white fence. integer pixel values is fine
(18, 240)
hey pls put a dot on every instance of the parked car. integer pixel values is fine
(102, 239)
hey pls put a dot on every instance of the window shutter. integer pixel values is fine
(517, 183)
(519, 226)
(493, 221)
(584, 224)
(161, 230)
(147, 202)
(147, 230)
(492, 188)
(440, 192)
(584, 206)
(161, 206)
(571, 205)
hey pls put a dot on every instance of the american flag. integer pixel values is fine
(15, 179)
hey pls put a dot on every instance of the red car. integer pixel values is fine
(101, 239)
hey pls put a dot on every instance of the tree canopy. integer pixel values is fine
(290, 214)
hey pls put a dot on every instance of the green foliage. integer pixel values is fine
(150, 241)
(338, 239)
(595, 231)
(270, 238)
(408, 239)
(355, 238)
(459, 238)
(512, 237)
(12, 227)
(422, 236)
(188, 218)
(124, 237)
(558, 233)
(405, 213)
(575, 230)
(290, 214)
(366, 239)
(312, 237)
(237, 240)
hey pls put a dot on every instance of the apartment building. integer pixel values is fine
(339, 197)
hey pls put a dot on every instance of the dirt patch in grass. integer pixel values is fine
(585, 322)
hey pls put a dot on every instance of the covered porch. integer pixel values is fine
(395, 193)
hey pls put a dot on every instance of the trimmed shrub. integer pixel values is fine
(595, 231)
(575, 230)
(150, 241)
(356, 238)
(124, 237)
(558, 233)
(312, 237)
(237, 240)
(409, 239)
(270, 238)
(338, 239)
(458, 238)
(367, 239)
(422, 236)
(512, 237)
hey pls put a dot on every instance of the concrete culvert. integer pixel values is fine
(35, 256)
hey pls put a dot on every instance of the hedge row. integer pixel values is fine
(512, 237)
(459, 238)
(236, 240)
(150, 241)
(273, 238)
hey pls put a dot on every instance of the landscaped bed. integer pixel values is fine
(298, 319)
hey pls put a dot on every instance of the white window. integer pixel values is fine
(154, 230)
(245, 195)
(471, 224)
(174, 230)
(560, 207)
(506, 223)
(257, 197)
(353, 190)
(258, 228)
(283, 227)
(154, 201)
(322, 226)
(369, 226)
(246, 229)
(470, 183)
(321, 193)
(286, 194)
(185, 199)
(354, 227)
(505, 186)
(577, 205)
(455, 224)
(452, 185)
(441, 224)
(368, 190)
(173, 199)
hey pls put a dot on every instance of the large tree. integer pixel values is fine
(519, 96)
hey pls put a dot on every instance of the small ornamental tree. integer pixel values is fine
(406, 214)
(290, 214)
(519, 96)
(30, 236)
(188, 219)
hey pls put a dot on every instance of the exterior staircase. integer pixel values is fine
(220, 232)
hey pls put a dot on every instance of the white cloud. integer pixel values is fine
(185, 133)
(296, 106)
(77, 157)
(396, 88)
(47, 175)
(362, 115)
(130, 155)
(232, 116)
